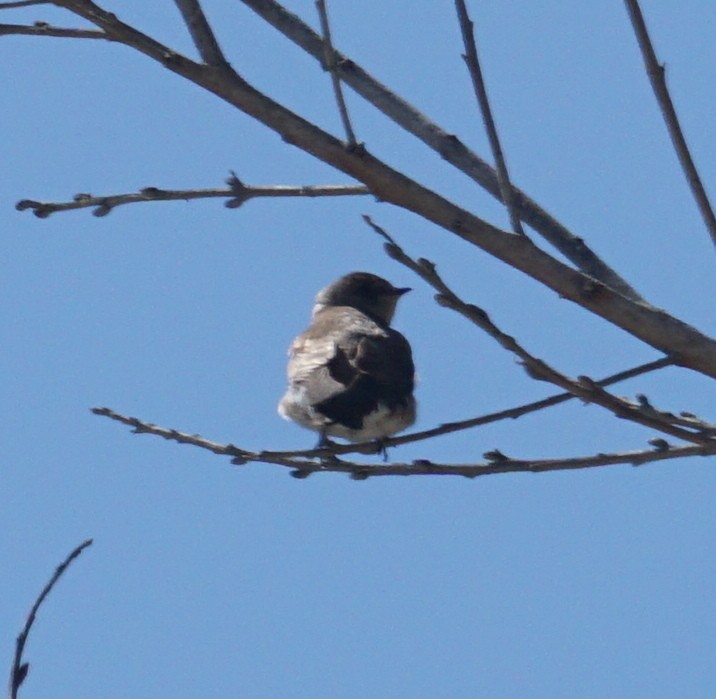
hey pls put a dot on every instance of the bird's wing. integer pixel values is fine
(387, 360)
(310, 359)
(346, 364)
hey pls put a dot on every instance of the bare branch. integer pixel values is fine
(478, 83)
(19, 669)
(330, 65)
(687, 345)
(519, 411)
(201, 33)
(22, 3)
(656, 73)
(44, 29)
(447, 145)
(583, 387)
(237, 194)
(496, 462)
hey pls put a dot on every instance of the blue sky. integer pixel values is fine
(217, 580)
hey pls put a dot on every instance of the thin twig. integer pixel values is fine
(583, 387)
(446, 144)
(656, 73)
(519, 411)
(495, 461)
(473, 65)
(237, 194)
(201, 33)
(22, 3)
(44, 29)
(330, 65)
(19, 669)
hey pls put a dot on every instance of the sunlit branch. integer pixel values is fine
(495, 461)
(446, 144)
(330, 65)
(236, 194)
(583, 387)
(44, 29)
(656, 73)
(473, 65)
(201, 33)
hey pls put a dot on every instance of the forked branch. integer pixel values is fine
(446, 144)
(641, 411)
(201, 33)
(652, 325)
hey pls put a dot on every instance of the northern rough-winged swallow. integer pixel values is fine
(350, 375)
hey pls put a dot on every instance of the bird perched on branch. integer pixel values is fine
(350, 375)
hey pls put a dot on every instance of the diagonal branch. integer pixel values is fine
(583, 387)
(19, 669)
(519, 411)
(656, 73)
(236, 194)
(330, 65)
(687, 345)
(201, 33)
(447, 145)
(478, 83)
(495, 462)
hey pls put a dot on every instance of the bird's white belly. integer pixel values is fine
(381, 423)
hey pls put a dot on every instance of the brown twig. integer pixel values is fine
(447, 145)
(656, 73)
(495, 461)
(473, 65)
(583, 387)
(22, 3)
(237, 194)
(201, 33)
(330, 66)
(44, 29)
(19, 669)
(520, 410)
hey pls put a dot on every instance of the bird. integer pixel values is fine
(350, 375)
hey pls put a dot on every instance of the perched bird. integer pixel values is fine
(350, 375)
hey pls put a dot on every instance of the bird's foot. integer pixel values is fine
(326, 445)
(382, 449)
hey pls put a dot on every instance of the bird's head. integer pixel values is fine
(366, 292)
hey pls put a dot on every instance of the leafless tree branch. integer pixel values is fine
(330, 65)
(44, 29)
(473, 65)
(656, 73)
(19, 669)
(495, 462)
(373, 447)
(447, 145)
(201, 33)
(22, 3)
(236, 194)
(585, 388)
(519, 411)
(688, 346)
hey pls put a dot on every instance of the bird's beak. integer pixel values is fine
(401, 291)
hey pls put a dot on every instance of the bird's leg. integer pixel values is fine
(382, 449)
(326, 444)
